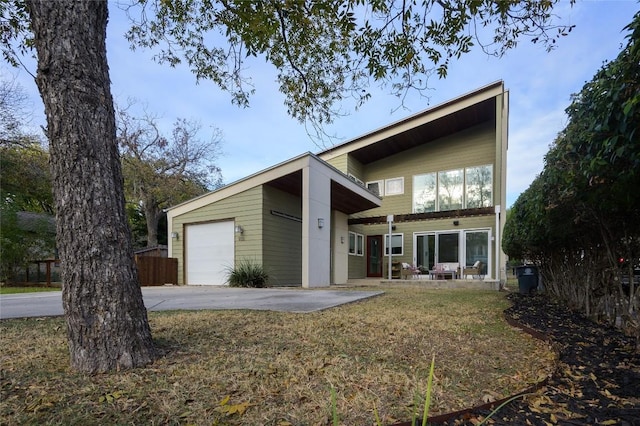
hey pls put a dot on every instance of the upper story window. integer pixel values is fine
(479, 189)
(453, 189)
(394, 186)
(424, 193)
(450, 189)
(377, 187)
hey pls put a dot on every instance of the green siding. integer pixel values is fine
(340, 163)
(358, 264)
(472, 147)
(282, 238)
(355, 168)
(244, 208)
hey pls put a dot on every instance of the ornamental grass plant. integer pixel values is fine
(247, 273)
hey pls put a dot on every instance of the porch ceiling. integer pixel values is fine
(342, 199)
(425, 133)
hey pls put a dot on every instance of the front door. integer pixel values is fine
(374, 255)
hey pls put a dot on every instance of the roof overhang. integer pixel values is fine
(434, 123)
(346, 195)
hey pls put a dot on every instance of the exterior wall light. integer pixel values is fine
(174, 235)
(320, 222)
(239, 229)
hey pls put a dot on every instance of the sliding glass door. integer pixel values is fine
(426, 251)
(437, 248)
(448, 247)
(477, 248)
(463, 247)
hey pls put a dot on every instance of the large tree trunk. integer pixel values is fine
(106, 318)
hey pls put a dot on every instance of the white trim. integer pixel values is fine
(391, 181)
(358, 243)
(385, 237)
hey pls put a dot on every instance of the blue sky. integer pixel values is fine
(540, 85)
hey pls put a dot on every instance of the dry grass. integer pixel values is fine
(268, 368)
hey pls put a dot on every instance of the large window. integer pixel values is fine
(464, 247)
(424, 193)
(448, 247)
(477, 247)
(479, 188)
(356, 244)
(426, 250)
(397, 242)
(450, 189)
(453, 189)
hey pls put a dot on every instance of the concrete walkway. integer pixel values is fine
(196, 298)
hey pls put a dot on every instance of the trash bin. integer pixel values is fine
(527, 278)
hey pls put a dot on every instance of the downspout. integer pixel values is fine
(497, 246)
(390, 223)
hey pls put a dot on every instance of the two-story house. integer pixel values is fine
(428, 189)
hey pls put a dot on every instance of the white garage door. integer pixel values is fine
(210, 252)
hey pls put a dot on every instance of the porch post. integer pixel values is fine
(316, 227)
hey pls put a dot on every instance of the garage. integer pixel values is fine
(209, 252)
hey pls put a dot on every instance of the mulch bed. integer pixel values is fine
(596, 382)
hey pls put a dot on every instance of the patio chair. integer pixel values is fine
(410, 270)
(475, 270)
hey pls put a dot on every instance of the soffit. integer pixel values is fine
(428, 132)
(342, 199)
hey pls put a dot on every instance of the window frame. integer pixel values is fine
(441, 188)
(435, 193)
(381, 187)
(468, 187)
(358, 244)
(391, 180)
(385, 238)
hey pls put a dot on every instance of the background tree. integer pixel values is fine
(24, 237)
(163, 171)
(25, 186)
(25, 180)
(323, 50)
(13, 112)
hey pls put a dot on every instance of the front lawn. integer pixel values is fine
(4, 289)
(269, 368)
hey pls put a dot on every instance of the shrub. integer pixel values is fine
(247, 274)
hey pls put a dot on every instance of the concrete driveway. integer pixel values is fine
(196, 298)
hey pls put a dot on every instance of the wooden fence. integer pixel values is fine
(157, 270)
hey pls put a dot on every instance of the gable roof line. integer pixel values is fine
(434, 112)
(242, 182)
(262, 177)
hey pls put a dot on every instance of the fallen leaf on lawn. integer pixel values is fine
(488, 398)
